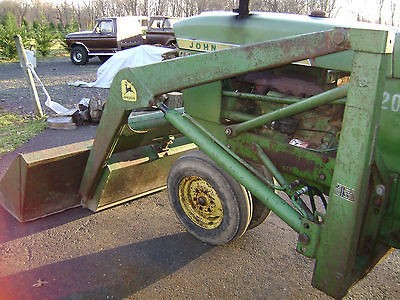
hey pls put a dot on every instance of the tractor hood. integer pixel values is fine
(221, 30)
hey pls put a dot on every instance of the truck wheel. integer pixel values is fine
(79, 55)
(208, 202)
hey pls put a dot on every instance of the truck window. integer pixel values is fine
(155, 24)
(167, 24)
(106, 26)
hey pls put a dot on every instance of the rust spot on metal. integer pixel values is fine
(288, 161)
(339, 38)
(299, 86)
(325, 159)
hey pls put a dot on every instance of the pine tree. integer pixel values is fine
(44, 36)
(8, 29)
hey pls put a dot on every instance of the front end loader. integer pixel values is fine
(292, 114)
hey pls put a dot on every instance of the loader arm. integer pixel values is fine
(138, 87)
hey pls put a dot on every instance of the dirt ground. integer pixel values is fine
(138, 250)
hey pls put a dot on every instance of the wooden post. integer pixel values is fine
(31, 83)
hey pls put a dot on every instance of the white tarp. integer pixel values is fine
(134, 57)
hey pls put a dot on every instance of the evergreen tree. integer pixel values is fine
(25, 31)
(44, 37)
(52, 27)
(73, 26)
(8, 29)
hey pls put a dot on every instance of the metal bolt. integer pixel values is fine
(322, 176)
(202, 201)
(304, 239)
(228, 131)
(306, 225)
(380, 190)
(339, 38)
(339, 276)
(303, 249)
(378, 201)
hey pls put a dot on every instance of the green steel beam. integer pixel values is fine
(293, 162)
(270, 165)
(307, 104)
(148, 120)
(336, 268)
(269, 98)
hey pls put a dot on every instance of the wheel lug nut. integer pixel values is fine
(202, 201)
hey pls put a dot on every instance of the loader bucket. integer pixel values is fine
(44, 182)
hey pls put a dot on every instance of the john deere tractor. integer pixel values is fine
(298, 115)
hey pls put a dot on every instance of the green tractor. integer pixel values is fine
(298, 115)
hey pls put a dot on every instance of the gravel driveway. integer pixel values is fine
(138, 250)
(54, 73)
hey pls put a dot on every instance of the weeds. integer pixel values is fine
(16, 130)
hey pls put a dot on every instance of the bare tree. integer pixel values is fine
(287, 6)
(64, 13)
(327, 6)
(129, 7)
(143, 8)
(86, 11)
(18, 9)
(380, 8)
(393, 8)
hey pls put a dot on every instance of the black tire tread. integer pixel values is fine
(237, 211)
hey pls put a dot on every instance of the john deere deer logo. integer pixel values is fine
(128, 91)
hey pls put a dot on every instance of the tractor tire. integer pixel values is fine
(79, 55)
(209, 203)
(260, 213)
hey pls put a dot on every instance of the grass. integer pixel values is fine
(15, 130)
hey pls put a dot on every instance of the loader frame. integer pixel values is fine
(131, 156)
(335, 240)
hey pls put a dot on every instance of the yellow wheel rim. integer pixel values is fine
(200, 202)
